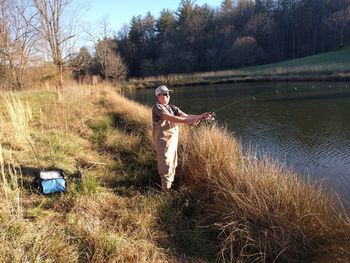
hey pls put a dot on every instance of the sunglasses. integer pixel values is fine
(165, 94)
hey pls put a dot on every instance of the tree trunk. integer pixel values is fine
(61, 75)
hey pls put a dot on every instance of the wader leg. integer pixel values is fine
(167, 174)
(166, 182)
(166, 149)
(167, 166)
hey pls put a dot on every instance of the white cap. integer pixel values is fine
(162, 90)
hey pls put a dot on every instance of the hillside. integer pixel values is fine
(326, 63)
(330, 66)
(226, 207)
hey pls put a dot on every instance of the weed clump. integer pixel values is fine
(263, 213)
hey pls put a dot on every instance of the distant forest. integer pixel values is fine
(38, 39)
(238, 33)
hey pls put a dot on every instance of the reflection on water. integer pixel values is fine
(306, 126)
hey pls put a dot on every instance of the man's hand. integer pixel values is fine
(193, 120)
(207, 115)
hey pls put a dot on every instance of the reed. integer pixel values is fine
(263, 213)
(20, 115)
(131, 111)
(11, 193)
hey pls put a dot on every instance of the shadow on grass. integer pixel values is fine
(188, 232)
(178, 213)
(128, 125)
(136, 163)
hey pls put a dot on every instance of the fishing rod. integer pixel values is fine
(253, 97)
(212, 114)
(233, 103)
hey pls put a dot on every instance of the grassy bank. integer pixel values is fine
(228, 207)
(330, 66)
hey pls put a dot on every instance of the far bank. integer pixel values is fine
(330, 66)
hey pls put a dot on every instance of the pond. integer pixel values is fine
(305, 126)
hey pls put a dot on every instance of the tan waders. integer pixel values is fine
(165, 139)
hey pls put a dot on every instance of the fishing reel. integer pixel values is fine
(211, 117)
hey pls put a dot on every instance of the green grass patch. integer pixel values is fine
(89, 184)
(329, 65)
(179, 214)
(321, 64)
(58, 149)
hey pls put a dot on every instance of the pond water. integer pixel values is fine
(305, 126)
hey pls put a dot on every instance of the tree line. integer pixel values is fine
(242, 33)
(191, 38)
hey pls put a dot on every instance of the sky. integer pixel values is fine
(120, 12)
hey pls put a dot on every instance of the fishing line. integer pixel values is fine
(233, 103)
(212, 114)
(253, 97)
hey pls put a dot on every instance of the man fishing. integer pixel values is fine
(165, 119)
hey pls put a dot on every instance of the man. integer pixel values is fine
(166, 133)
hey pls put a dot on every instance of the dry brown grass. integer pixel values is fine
(109, 232)
(131, 111)
(91, 223)
(264, 214)
(19, 115)
(10, 192)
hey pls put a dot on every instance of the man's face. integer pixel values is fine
(163, 98)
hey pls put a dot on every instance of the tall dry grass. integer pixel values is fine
(20, 115)
(131, 111)
(263, 213)
(162, 78)
(15, 131)
(90, 223)
(10, 191)
(259, 71)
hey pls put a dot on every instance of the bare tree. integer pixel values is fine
(80, 64)
(17, 38)
(55, 29)
(110, 62)
(103, 47)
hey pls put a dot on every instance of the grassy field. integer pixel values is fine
(334, 65)
(329, 63)
(226, 208)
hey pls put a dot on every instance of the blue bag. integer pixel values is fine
(53, 185)
(49, 182)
